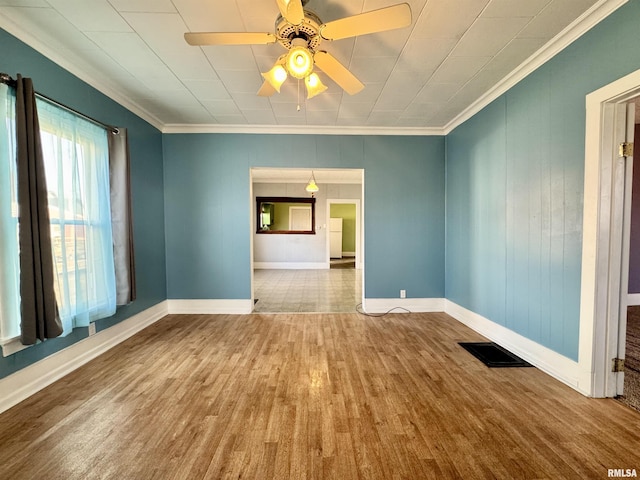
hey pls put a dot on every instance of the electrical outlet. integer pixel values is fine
(92, 328)
(403, 294)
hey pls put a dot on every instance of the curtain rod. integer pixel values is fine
(6, 79)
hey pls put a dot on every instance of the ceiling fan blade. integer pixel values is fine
(389, 18)
(337, 72)
(292, 10)
(266, 90)
(229, 38)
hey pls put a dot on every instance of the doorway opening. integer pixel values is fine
(344, 239)
(606, 236)
(630, 336)
(292, 273)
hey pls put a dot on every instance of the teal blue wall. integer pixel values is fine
(208, 208)
(515, 175)
(146, 177)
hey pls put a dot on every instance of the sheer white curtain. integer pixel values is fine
(9, 258)
(77, 169)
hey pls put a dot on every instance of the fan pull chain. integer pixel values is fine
(298, 95)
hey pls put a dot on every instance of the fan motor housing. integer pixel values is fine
(308, 31)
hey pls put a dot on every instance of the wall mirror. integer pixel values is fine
(286, 215)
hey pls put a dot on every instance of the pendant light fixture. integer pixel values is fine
(312, 186)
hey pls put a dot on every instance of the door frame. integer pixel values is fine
(348, 201)
(600, 285)
(360, 231)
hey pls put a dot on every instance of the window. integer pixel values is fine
(9, 273)
(76, 157)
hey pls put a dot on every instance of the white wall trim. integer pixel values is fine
(291, 265)
(400, 305)
(211, 306)
(558, 366)
(633, 299)
(302, 130)
(30, 380)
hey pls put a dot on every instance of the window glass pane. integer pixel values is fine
(9, 259)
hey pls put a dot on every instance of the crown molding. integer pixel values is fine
(89, 78)
(575, 30)
(301, 130)
(566, 37)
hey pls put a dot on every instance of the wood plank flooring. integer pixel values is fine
(311, 396)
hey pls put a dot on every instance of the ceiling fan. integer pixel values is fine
(301, 33)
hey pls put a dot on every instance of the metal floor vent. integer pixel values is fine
(493, 355)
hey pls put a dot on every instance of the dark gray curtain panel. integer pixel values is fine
(121, 217)
(39, 311)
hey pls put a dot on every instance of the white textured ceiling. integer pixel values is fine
(417, 79)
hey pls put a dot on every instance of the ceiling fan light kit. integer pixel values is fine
(301, 32)
(314, 85)
(277, 75)
(299, 60)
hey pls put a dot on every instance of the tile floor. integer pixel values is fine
(331, 290)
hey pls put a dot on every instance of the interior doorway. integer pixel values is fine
(344, 244)
(606, 236)
(630, 337)
(291, 272)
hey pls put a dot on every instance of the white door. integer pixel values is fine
(300, 218)
(619, 255)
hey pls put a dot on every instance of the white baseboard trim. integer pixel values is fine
(400, 305)
(30, 380)
(290, 265)
(558, 366)
(633, 299)
(204, 306)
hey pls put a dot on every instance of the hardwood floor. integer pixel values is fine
(311, 396)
